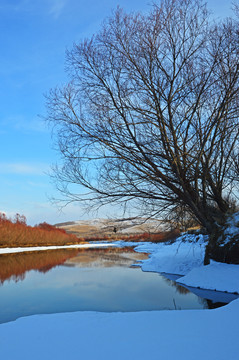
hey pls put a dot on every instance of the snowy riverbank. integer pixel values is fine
(185, 258)
(44, 248)
(186, 334)
(155, 335)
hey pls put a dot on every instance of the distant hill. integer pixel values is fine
(109, 227)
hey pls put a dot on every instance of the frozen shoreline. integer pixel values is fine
(154, 335)
(44, 248)
(185, 258)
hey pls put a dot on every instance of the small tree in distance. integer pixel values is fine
(150, 113)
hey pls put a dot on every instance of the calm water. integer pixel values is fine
(73, 280)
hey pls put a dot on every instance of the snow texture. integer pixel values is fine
(231, 229)
(216, 276)
(154, 335)
(185, 257)
(177, 258)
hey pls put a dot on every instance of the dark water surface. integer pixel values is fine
(86, 279)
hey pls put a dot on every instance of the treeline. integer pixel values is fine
(16, 233)
(146, 236)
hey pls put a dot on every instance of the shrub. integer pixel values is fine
(16, 233)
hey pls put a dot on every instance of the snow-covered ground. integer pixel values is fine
(185, 334)
(42, 248)
(216, 276)
(185, 258)
(177, 258)
(123, 226)
(155, 335)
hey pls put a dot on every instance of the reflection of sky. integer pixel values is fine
(70, 289)
(111, 258)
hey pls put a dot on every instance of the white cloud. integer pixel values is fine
(23, 168)
(56, 7)
(22, 123)
(18, 6)
(52, 7)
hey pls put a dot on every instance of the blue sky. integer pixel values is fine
(34, 37)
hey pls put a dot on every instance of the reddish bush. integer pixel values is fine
(20, 219)
(3, 218)
(48, 227)
(16, 233)
(152, 237)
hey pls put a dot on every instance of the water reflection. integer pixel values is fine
(109, 257)
(179, 288)
(14, 266)
(211, 298)
(85, 280)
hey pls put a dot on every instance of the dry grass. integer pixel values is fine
(15, 233)
(154, 237)
(103, 229)
(83, 230)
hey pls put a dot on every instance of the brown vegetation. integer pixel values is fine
(15, 233)
(146, 236)
(137, 229)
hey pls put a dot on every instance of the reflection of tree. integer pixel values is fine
(14, 266)
(210, 304)
(203, 302)
(180, 289)
(207, 304)
(214, 305)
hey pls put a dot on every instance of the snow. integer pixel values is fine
(185, 257)
(177, 258)
(216, 276)
(231, 228)
(155, 335)
(41, 248)
(233, 220)
(185, 334)
(123, 226)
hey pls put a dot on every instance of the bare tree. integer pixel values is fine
(150, 113)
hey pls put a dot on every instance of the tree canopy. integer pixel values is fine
(150, 113)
